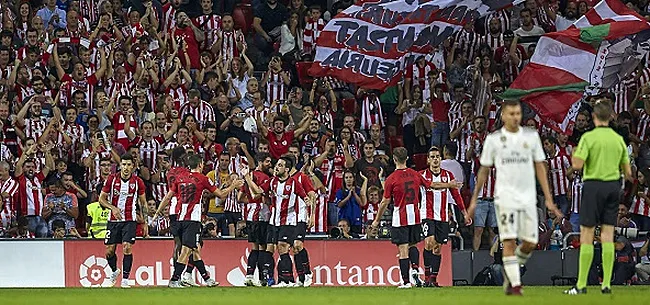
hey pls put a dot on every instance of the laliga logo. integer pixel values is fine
(94, 272)
(237, 276)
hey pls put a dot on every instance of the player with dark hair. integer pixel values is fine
(190, 189)
(518, 156)
(284, 192)
(403, 187)
(434, 213)
(256, 214)
(121, 193)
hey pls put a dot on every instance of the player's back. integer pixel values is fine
(514, 156)
(176, 172)
(403, 185)
(189, 190)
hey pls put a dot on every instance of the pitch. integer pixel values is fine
(319, 295)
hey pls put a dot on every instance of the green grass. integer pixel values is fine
(320, 295)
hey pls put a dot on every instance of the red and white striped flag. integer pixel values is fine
(595, 53)
(370, 43)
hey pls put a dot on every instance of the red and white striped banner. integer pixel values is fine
(372, 42)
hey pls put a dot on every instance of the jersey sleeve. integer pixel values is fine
(487, 155)
(208, 185)
(388, 187)
(266, 185)
(141, 187)
(300, 191)
(538, 150)
(107, 184)
(625, 157)
(582, 151)
(75, 202)
(455, 193)
(173, 186)
(306, 184)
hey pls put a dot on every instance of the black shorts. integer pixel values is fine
(406, 235)
(257, 232)
(301, 231)
(190, 232)
(118, 232)
(174, 227)
(438, 229)
(285, 234)
(232, 217)
(599, 204)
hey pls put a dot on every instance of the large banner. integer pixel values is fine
(372, 42)
(334, 263)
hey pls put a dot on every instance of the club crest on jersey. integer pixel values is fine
(444, 179)
(525, 145)
(287, 187)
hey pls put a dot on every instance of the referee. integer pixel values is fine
(601, 154)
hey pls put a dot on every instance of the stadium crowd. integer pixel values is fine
(85, 81)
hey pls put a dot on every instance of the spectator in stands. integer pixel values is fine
(639, 208)
(416, 122)
(291, 36)
(369, 166)
(625, 261)
(268, 19)
(60, 230)
(564, 21)
(643, 268)
(347, 231)
(623, 219)
(60, 205)
(349, 201)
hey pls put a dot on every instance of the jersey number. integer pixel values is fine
(187, 192)
(507, 218)
(409, 192)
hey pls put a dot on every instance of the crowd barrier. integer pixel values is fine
(81, 263)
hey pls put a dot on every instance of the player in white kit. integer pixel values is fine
(518, 156)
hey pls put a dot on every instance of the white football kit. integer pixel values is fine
(515, 194)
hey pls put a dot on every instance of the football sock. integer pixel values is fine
(428, 262)
(299, 259)
(271, 265)
(178, 270)
(190, 264)
(521, 256)
(435, 267)
(285, 268)
(127, 262)
(305, 261)
(261, 259)
(200, 265)
(414, 257)
(404, 269)
(586, 257)
(511, 267)
(608, 264)
(112, 262)
(253, 257)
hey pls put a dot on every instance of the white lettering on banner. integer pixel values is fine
(355, 275)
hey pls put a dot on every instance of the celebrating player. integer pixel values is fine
(518, 156)
(256, 213)
(188, 210)
(435, 215)
(284, 192)
(121, 193)
(403, 187)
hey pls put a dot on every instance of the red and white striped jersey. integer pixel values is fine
(236, 163)
(436, 202)
(34, 127)
(9, 187)
(403, 187)
(203, 112)
(332, 169)
(510, 70)
(119, 123)
(163, 223)
(369, 212)
(284, 200)
(160, 189)
(320, 213)
(90, 9)
(179, 95)
(557, 170)
(231, 202)
(229, 42)
(326, 118)
(189, 190)
(78, 137)
(487, 191)
(115, 89)
(542, 20)
(313, 28)
(418, 75)
(576, 189)
(565, 150)
(86, 85)
(463, 139)
(503, 15)
(23, 92)
(305, 182)
(468, 43)
(149, 149)
(124, 194)
(172, 175)
(276, 89)
(262, 114)
(643, 128)
(639, 205)
(494, 42)
(623, 92)
(643, 77)
(210, 24)
(371, 112)
(31, 194)
(454, 111)
(169, 17)
(477, 141)
(94, 171)
(255, 209)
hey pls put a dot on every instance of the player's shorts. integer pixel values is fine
(438, 229)
(599, 203)
(406, 235)
(276, 234)
(257, 232)
(174, 229)
(232, 217)
(518, 223)
(301, 231)
(118, 232)
(190, 232)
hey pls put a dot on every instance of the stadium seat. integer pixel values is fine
(305, 79)
(420, 161)
(349, 106)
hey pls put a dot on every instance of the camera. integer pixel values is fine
(631, 233)
(336, 232)
(241, 115)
